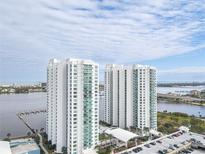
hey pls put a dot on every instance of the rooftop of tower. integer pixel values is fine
(118, 66)
(72, 60)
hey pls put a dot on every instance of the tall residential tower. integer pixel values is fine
(72, 104)
(130, 96)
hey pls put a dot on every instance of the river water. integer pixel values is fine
(185, 108)
(12, 104)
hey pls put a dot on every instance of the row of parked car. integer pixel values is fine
(138, 149)
(175, 146)
(185, 151)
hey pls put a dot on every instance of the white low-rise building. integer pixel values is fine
(5, 147)
(121, 135)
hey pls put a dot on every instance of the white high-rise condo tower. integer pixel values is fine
(130, 96)
(73, 104)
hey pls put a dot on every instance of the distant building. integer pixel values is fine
(42, 84)
(73, 104)
(5, 85)
(12, 90)
(24, 146)
(130, 96)
(195, 92)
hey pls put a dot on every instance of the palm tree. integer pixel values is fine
(64, 150)
(138, 131)
(29, 134)
(133, 129)
(110, 137)
(8, 135)
(199, 114)
(36, 131)
(41, 130)
(146, 129)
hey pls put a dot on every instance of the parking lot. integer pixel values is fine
(178, 142)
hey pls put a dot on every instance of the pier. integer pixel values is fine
(31, 112)
(20, 116)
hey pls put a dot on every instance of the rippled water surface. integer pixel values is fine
(185, 108)
(12, 104)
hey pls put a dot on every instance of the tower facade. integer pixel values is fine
(73, 104)
(131, 96)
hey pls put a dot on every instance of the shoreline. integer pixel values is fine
(174, 102)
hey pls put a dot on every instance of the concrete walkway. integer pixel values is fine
(41, 144)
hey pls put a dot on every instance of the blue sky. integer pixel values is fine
(168, 34)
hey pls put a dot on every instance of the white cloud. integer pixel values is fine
(107, 31)
(183, 70)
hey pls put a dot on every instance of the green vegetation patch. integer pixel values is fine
(104, 151)
(170, 122)
(103, 137)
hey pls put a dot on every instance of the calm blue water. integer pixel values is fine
(10, 105)
(185, 108)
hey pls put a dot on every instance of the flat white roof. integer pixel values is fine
(121, 134)
(5, 147)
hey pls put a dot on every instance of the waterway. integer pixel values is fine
(185, 108)
(12, 104)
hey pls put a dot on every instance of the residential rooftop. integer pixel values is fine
(121, 134)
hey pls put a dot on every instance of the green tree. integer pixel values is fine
(29, 134)
(64, 150)
(8, 135)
